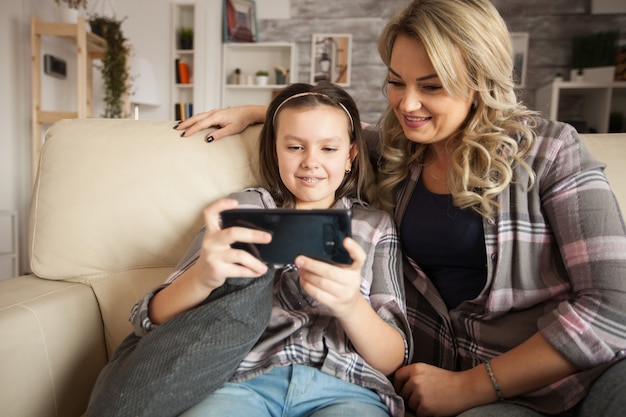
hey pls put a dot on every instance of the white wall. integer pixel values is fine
(147, 28)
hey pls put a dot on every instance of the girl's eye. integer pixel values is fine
(328, 149)
(294, 147)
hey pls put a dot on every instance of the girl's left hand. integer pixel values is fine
(335, 286)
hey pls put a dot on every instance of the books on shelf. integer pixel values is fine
(182, 72)
(183, 110)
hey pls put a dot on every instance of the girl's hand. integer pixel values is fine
(218, 260)
(337, 287)
(228, 121)
(432, 391)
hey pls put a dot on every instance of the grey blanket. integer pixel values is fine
(181, 362)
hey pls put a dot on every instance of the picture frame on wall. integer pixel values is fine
(240, 21)
(520, 57)
(331, 58)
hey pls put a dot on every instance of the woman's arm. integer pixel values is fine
(227, 121)
(434, 391)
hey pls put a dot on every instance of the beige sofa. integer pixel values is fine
(114, 206)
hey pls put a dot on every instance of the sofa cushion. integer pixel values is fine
(114, 195)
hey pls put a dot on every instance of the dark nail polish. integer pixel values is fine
(209, 139)
(176, 126)
(182, 135)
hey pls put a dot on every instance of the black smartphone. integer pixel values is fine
(315, 233)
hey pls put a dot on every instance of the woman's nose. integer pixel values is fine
(411, 100)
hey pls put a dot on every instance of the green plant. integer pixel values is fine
(262, 73)
(73, 4)
(594, 49)
(185, 38)
(113, 66)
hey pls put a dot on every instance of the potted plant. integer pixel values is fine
(185, 38)
(595, 55)
(262, 77)
(114, 68)
(69, 9)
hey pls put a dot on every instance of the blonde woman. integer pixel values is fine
(515, 248)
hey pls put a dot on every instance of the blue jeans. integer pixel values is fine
(293, 391)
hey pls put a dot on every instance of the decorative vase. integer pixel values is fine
(67, 14)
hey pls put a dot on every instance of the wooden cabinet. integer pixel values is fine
(583, 103)
(88, 47)
(247, 59)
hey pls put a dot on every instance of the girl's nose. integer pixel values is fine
(310, 160)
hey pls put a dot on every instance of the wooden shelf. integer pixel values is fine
(88, 47)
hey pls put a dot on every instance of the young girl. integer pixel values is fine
(335, 332)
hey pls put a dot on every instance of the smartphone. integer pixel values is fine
(315, 233)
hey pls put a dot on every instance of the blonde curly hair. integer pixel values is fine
(469, 46)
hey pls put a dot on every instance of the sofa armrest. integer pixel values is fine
(51, 349)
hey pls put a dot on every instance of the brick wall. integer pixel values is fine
(552, 24)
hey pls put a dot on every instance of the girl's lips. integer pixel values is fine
(415, 121)
(310, 180)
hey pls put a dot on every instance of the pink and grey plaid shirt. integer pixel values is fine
(556, 257)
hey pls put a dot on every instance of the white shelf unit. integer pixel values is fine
(250, 58)
(9, 255)
(591, 102)
(183, 15)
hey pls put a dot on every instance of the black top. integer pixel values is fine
(448, 243)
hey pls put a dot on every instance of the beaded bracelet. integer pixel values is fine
(493, 381)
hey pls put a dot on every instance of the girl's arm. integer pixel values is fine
(338, 287)
(216, 262)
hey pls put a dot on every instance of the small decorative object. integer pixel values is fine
(281, 75)
(240, 21)
(558, 77)
(114, 68)
(234, 77)
(262, 77)
(331, 58)
(70, 8)
(519, 41)
(580, 75)
(185, 38)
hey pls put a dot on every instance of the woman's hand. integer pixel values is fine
(432, 391)
(227, 121)
(337, 287)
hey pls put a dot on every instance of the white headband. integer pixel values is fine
(311, 93)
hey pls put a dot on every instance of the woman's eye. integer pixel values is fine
(432, 87)
(394, 83)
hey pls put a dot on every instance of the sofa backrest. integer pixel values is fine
(117, 202)
(610, 148)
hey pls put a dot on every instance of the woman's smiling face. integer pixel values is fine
(313, 151)
(426, 112)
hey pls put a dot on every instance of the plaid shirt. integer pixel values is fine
(556, 257)
(301, 329)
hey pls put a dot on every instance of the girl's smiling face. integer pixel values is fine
(314, 152)
(426, 112)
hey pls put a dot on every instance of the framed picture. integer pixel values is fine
(331, 58)
(520, 57)
(240, 21)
